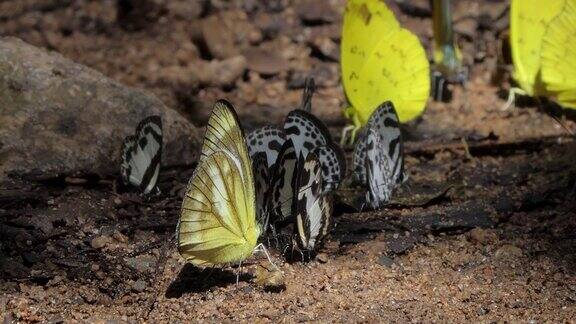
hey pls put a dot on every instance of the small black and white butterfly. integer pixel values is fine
(141, 154)
(313, 207)
(307, 133)
(379, 156)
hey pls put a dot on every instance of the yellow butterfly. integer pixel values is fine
(218, 219)
(381, 61)
(529, 20)
(559, 56)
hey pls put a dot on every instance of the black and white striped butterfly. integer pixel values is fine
(313, 207)
(295, 196)
(141, 154)
(379, 156)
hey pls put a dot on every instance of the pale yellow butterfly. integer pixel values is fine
(218, 220)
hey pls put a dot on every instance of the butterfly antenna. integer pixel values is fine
(309, 88)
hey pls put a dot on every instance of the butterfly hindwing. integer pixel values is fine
(333, 166)
(281, 185)
(358, 158)
(267, 139)
(218, 220)
(313, 208)
(261, 178)
(379, 172)
(141, 154)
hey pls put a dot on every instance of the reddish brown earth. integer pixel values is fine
(484, 230)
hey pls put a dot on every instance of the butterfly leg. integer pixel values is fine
(261, 247)
(345, 131)
(512, 93)
(238, 273)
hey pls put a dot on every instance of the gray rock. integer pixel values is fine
(58, 117)
(139, 286)
(386, 261)
(142, 264)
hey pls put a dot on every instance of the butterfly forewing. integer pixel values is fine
(268, 140)
(306, 131)
(308, 134)
(141, 155)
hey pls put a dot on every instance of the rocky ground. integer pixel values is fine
(483, 230)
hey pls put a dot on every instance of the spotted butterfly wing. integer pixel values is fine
(358, 158)
(331, 161)
(268, 140)
(313, 208)
(261, 177)
(379, 172)
(282, 181)
(384, 121)
(141, 154)
(308, 133)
